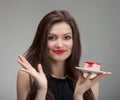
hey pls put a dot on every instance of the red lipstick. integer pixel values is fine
(59, 51)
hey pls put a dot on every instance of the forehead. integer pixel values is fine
(61, 27)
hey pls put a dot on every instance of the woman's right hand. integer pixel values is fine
(39, 76)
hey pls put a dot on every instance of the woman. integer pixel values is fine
(48, 67)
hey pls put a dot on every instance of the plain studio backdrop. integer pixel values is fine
(99, 24)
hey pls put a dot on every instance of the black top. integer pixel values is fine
(62, 89)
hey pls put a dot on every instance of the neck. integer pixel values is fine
(58, 69)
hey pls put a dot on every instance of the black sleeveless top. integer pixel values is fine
(62, 89)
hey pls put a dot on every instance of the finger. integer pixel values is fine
(89, 76)
(20, 57)
(40, 68)
(23, 59)
(101, 76)
(81, 78)
(28, 71)
(20, 62)
(23, 64)
(24, 70)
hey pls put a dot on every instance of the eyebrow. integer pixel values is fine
(64, 34)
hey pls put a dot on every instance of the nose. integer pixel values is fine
(59, 43)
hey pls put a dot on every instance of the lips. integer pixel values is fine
(59, 51)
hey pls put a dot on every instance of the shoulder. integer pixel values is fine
(23, 79)
(23, 84)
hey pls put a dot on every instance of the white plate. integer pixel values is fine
(85, 70)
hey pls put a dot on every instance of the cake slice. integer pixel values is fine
(91, 66)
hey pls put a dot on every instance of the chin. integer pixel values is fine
(63, 57)
(59, 59)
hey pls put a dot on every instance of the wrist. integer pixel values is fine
(78, 97)
(79, 91)
(41, 94)
(41, 91)
(43, 87)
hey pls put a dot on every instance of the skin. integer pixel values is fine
(59, 37)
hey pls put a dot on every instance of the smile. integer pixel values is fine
(59, 51)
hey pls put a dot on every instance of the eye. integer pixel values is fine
(51, 38)
(68, 37)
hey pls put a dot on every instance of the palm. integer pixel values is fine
(39, 76)
(83, 84)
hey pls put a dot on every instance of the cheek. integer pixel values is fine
(50, 45)
(70, 45)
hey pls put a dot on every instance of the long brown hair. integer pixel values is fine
(38, 51)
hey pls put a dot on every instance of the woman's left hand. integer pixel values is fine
(83, 84)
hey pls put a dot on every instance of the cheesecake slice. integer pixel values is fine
(94, 66)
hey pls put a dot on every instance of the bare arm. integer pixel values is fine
(23, 86)
(80, 97)
(41, 95)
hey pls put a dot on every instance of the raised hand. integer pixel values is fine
(39, 76)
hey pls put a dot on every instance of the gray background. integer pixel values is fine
(99, 24)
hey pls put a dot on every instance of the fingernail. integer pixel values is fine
(104, 72)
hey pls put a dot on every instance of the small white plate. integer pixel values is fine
(85, 70)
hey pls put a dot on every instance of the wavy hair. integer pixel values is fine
(38, 51)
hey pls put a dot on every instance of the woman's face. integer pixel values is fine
(60, 41)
